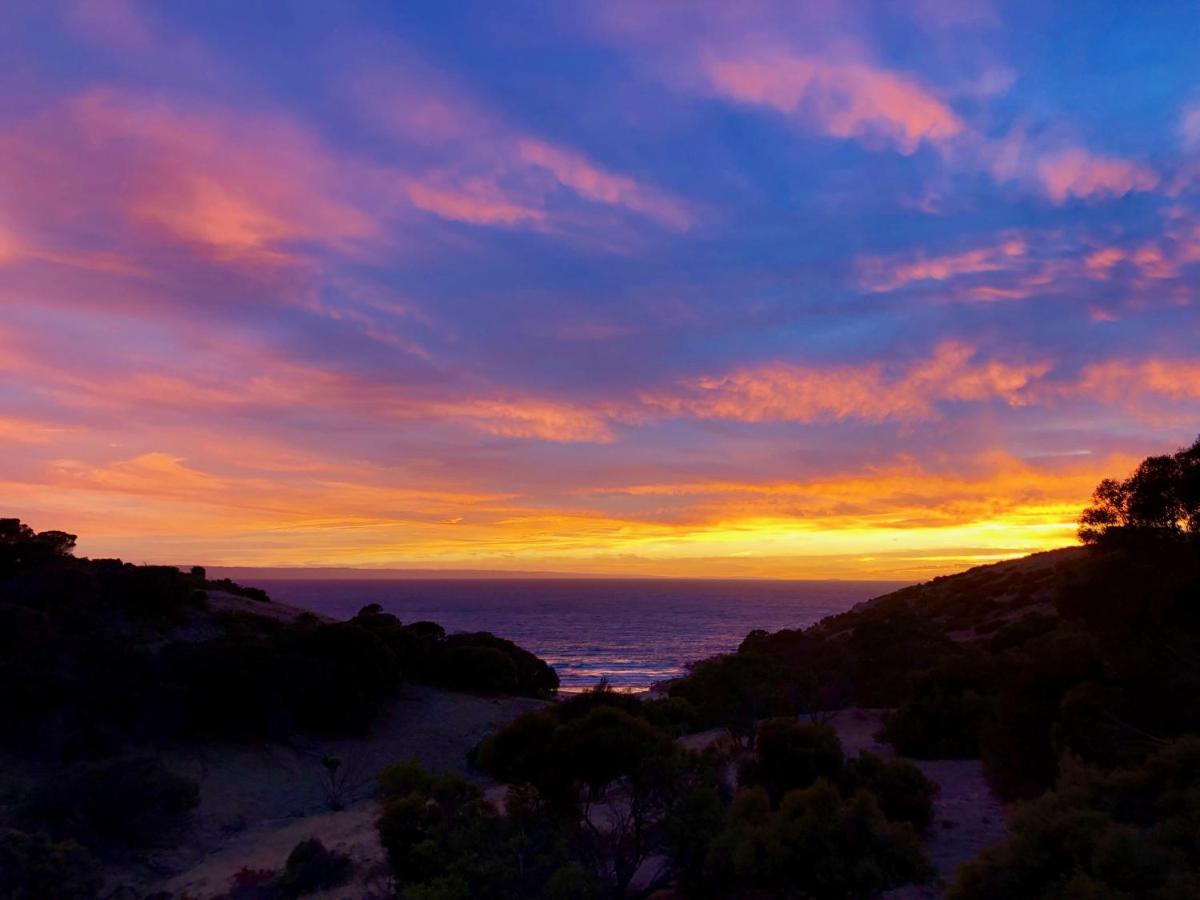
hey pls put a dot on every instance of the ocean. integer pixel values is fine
(633, 632)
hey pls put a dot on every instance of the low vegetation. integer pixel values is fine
(620, 808)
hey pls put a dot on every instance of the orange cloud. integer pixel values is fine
(901, 495)
(1079, 173)
(530, 418)
(841, 99)
(789, 393)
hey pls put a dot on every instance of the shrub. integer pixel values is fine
(734, 692)
(674, 715)
(484, 669)
(335, 676)
(1017, 740)
(311, 868)
(32, 867)
(816, 844)
(903, 791)
(887, 650)
(523, 673)
(23, 549)
(604, 745)
(944, 712)
(118, 805)
(402, 779)
(791, 755)
(1126, 833)
(519, 751)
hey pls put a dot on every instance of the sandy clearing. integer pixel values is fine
(967, 816)
(258, 802)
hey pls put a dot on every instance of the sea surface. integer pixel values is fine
(633, 632)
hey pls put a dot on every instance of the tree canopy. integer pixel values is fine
(1161, 497)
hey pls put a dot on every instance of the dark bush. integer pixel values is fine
(674, 715)
(520, 750)
(311, 868)
(1128, 833)
(735, 691)
(114, 806)
(817, 844)
(483, 669)
(402, 779)
(944, 712)
(22, 549)
(791, 755)
(1026, 628)
(902, 790)
(524, 674)
(604, 745)
(335, 676)
(32, 867)
(1017, 741)
(886, 651)
(161, 593)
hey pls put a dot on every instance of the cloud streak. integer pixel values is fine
(840, 99)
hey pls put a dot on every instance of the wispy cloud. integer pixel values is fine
(842, 99)
(782, 392)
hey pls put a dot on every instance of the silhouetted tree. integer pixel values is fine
(1162, 496)
(22, 548)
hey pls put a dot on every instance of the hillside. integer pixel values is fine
(976, 603)
(1070, 675)
(154, 717)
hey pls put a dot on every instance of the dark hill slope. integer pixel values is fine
(975, 603)
(1087, 652)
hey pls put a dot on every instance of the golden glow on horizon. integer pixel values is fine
(901, 523)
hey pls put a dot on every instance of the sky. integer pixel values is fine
(755, 289)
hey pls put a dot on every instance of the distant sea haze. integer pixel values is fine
(633, 632)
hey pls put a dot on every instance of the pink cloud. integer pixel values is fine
(138, 174)
(475, 200)
(1079, 173)
(1125, 382)
(840, 98)
(889, 273)
(487, 172)
(781, 392)
(590, 181)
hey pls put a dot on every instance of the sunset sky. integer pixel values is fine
(731, 289)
